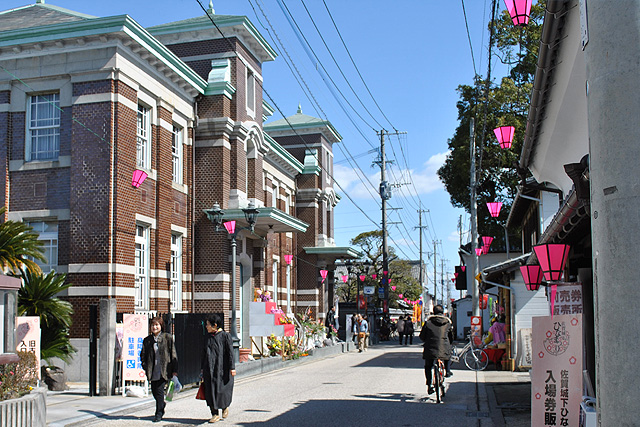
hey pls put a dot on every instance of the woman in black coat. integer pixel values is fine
(159, 361)
(218, 368)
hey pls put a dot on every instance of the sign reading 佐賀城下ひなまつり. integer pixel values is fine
(556, 380)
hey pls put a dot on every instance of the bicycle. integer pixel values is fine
(476, 358)
(438, 373)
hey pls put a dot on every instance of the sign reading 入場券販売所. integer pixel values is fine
(556, 376)
(135, 327)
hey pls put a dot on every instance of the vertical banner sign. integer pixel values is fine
(556, 380)
(134, 331)
(524, 356)
(476, 330)
(568, 299)
(28, 336)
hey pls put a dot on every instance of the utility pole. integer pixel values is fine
(474, 225)
(421, 275)
(442, 282)
(435, 274)
(460, 234)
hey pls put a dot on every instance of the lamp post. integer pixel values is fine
(251, 215)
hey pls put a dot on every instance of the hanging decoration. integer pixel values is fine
(288, 259)
(483, 301)
(478, 251)
(138, 177)
(344, 278)
(532, 276)
(505, 136)
(393, 288)
(373, 276)
(552, 258)
(519, 10)
(362, 277)
(323, 273)
(486, 242)
(494, 208)
(230, 226)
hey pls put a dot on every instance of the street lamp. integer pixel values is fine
(216, 215)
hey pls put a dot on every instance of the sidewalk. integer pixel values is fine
(74, 406)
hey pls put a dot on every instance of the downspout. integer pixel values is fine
(193, 204)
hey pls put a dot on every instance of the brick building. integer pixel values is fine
(85, 101)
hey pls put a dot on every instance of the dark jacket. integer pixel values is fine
(408, 327)
(167, 352)
(217, 363)
(437, 334)
(331, 320)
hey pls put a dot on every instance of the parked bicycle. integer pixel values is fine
(474, 357)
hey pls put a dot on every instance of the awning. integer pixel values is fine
(332, 253)
(269, 219)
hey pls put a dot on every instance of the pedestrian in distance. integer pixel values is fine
(400, 329)
(355, 328)
(363, 328)
(331, 322)
(408, 330)
(437, 334)
(159, 362)
(218, 368)
(365, 319)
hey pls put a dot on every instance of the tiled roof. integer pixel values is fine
(38, 15)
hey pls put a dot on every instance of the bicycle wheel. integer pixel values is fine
(441, 375)
(436, 380)
(476, 359)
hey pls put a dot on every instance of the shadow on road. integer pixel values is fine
(401, 360)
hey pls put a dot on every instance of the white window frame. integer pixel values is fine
(274, 195)
(274, 280)
(176, 153)
(40, 130)
(176, 272)
(50, 243)
(143, 137)
(142, 267)
(251, 92)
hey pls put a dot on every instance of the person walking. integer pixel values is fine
(355, 328)
(363, 328)
(159, 362)
(400, 328)
(408, 330)
(218, 368)
(365, 319)
(331, 322)
(437, 334)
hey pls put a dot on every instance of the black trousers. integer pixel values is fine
(408, 337)
(428, 369)
(157, 389)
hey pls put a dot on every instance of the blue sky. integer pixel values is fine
(412, 55)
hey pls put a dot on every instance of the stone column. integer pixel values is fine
(107, 347)
(611, 57)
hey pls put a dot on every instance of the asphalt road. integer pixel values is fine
(384, 386)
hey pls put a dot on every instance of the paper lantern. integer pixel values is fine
(486, 242)
(552, 258)
(532, 276)
(230, 226)
(393, 288)
(483, 301)
(478, 251)
(323, 273)
(519, 10)
(373, 276)
(494, 208)
(344, 278)
(505, 135)
(138, 177)
(362, 277)
(288, 259)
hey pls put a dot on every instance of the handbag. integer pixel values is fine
(200, 394)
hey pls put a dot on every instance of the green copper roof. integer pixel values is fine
(222, 21)
(301, 121)
(335, 251)
(98, 26)
(36, 15)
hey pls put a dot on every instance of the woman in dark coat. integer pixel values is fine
(408, 330)
(159, 361)
(437, 334)
(218, 368)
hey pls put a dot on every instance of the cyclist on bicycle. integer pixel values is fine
(437, 334)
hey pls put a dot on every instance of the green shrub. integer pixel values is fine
(18, 379)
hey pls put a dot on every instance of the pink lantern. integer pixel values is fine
(399, 295)
(463, 268)
(385, 273)
(138, 177)
(323, 273)
(486, 242)
(362, 277)
(494, 208)
(344, 278)
(478, 251)
(230, 226)
(288, 259)
(453, 279)
(552, 258)
(393, 288)
(519, 10)
(455, 275)
(532, 276)
(505, 135)
(373, 276)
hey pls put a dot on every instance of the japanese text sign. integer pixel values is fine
(134, 331)
(28, 336)
(568, 299)
(556, 380)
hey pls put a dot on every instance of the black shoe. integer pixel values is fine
(431, 390)
(157, 419)
(449, 374)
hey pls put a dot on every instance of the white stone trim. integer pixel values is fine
(100, 291)
(21, 165)
(308, 303)
(105, 97)
(160, 274)
(213, 143)
(212, 277)
(307, 292)
(160, 293)
(60, 214)
(101, 268)
(211, 296)
(166, 125)
(178, 229)
(151, 222)
(186, 277)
